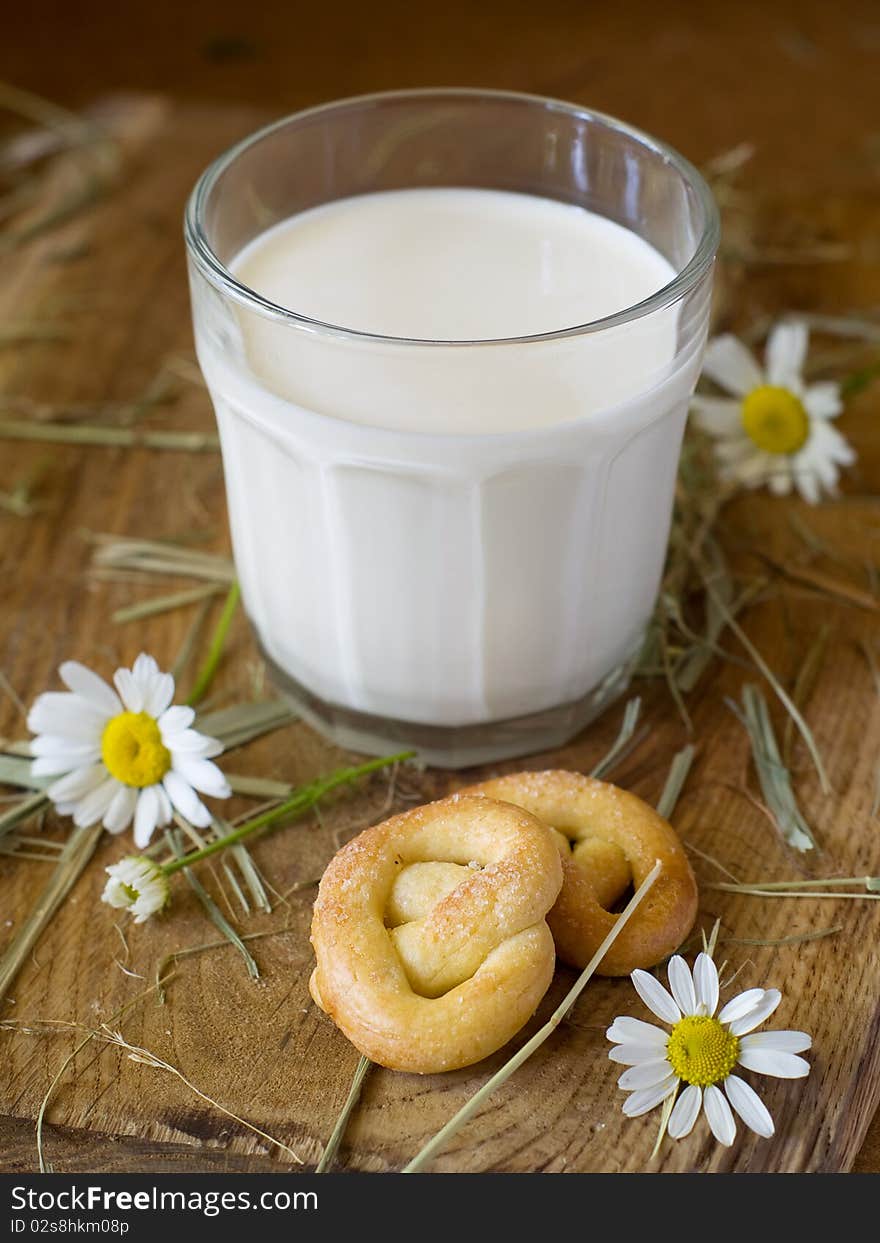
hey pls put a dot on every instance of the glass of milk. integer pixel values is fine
(450, 337)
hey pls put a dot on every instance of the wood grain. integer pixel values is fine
(262, 1049)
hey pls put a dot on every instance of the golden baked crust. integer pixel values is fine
(430, 936)
(609, 840)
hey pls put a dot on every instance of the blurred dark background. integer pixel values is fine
(800, 78)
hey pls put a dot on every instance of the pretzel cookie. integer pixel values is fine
(430, 935)
(609, 841)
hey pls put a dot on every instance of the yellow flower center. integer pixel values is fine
(701, 1051)
(775, 419)
(132, 749)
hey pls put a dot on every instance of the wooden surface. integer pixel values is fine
(113, 280)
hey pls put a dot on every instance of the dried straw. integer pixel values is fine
(773, 776)
(78, 850)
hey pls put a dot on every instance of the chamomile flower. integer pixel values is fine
(125, 754)
(701, 1051)
(136, 884)
(775, 429)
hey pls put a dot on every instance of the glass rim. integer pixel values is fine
(216, 272)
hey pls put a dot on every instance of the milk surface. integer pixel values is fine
(452, 264)
(460, 533)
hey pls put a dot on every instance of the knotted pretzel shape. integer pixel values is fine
(430, 935)
(609, 841)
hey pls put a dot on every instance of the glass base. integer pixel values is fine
(450, 746)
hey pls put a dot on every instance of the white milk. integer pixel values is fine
(461, 533)
(453, 265)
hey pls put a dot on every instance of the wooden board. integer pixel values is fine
(113, 279)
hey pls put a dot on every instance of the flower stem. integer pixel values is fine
(128, 437)
(300, 802)
(215, 650)
(212, 910)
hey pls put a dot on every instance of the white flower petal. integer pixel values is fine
(90, 687)
(76, 785)
(191, 742)
(773, 1062)
(731, 365)
(815, 467)
(682, 984)
(644, 1075)
(114, 893)
(158, 694)
(626, 1029)
(827, 474)
(749, 1106)
(185, 799)
(635, 1054)
(144, 668)
(202, 775)
(52, 745)
(706, 984)
(754, 1018)
(136, 884)
(781, 483)
(784, 1042)
(786, 354)
(825, 444)
(655, 997)
(760, 468)
(146, 816)
(735, 451)
(119, 813)
(130, 690)
(175, 719)
(61, 713)
(834, 444)
(61, 762)
(93, 806)
(718, 1116)
(646, 1099)
(52, 766)
(823, 401)
(144, 908)
(719, 416)
(740, 1005)
(685, 1112)
(808, 485)
(165, 808)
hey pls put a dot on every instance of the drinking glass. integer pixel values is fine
(473, 595)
